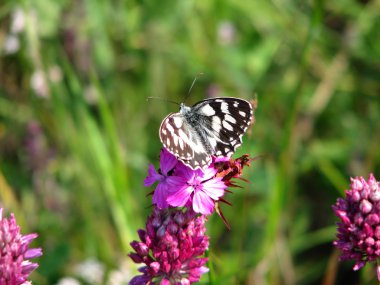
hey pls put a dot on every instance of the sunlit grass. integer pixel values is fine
(83, 71)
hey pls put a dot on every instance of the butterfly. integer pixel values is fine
(211, 127)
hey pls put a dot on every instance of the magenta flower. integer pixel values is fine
(199, 188)
(14, 264)
(170, 248)
(179, 185)
(358, 234)
(165, 181)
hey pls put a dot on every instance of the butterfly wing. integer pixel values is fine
(211, 127)
(224, 121)
(182, 141)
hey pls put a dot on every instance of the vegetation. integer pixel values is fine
(77, 133)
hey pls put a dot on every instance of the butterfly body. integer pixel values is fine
(210, 127)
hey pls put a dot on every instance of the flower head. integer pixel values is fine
(179, 185)
(199, 189)
(170, 248)
(14, 264)
(358, 234)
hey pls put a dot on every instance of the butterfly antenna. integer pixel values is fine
(162, 99)
(192, 85)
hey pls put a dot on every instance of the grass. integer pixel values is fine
(82, 73)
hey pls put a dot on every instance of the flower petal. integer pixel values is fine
(214, 188)
(208, 173)
(152, 177)
(184, 171)
(202, 203)
(221, 159)
(167, 161)
(175, 183)
(160, 196)
(180, 197)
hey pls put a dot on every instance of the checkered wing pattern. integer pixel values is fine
(210, 127)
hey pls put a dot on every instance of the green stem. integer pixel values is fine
(211, 269)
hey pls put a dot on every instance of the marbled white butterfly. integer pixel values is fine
(210, 127)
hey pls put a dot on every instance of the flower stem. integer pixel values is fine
(211, 279)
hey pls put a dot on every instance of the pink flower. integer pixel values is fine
(179, 186)
(163, 177)
(170, 248)
(14, 264)
(358, 234)
(199, 188)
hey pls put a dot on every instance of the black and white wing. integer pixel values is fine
(210, 127)
(181, 140)
(225, 120)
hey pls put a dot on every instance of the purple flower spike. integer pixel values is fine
(14, 264)
(358, 234)
(170, 248)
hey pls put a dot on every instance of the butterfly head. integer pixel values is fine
(183, 109)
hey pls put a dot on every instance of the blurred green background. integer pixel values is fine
(77, 134)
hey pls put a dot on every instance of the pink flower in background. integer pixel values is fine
(170, 248)
(15, 252)
(358, 234)
(226, 33)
